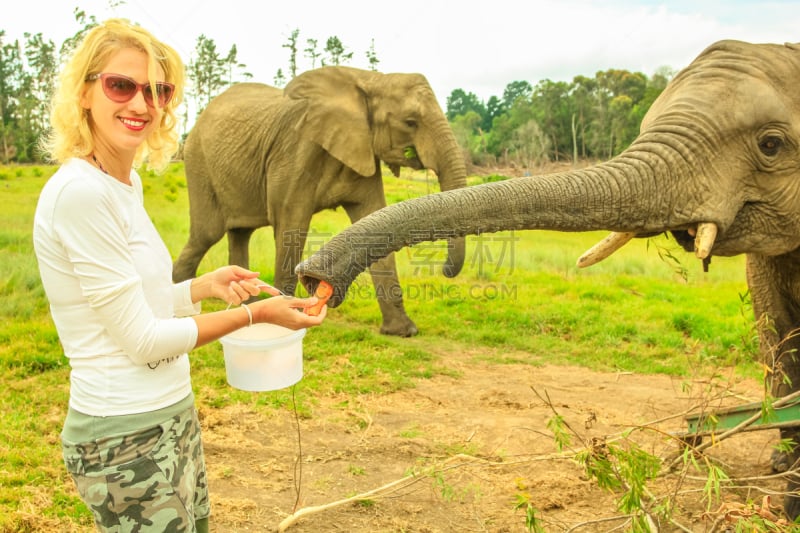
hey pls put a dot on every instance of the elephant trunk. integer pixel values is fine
(599, 197)
(451, 170)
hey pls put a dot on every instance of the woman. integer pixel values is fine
(131, 438)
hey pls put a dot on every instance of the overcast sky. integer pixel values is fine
(476, 45)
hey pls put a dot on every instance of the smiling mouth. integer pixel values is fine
(131, 123)
(699, 239)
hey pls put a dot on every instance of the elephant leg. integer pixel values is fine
(785, 381)
(239, 250)
(290, 241)
(206, 219)
(390, 299)
(791, 501)
(782, 460)
(789, 464)
(384, 277)
(185, 267)
(239, 246)
(774, 291)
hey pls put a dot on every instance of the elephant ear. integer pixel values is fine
(335, 114)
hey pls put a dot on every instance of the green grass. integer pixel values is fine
(519, 299)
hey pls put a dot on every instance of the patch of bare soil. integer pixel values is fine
(475, 444)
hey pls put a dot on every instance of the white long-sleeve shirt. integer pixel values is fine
(108, 277)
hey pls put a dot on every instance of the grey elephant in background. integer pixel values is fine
(262, 156)
(716, 163)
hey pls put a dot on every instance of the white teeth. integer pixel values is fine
(704, 240)
(604, 248)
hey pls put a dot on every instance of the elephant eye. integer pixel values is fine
(769, 146)
(411, 123)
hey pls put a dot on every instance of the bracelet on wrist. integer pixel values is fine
(249, 314)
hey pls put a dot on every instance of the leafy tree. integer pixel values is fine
(515, 90)
(470, 136)
(599, 133)
(530, 145)
(503, 116)
(494, 108)
(234, 68)
(552, 112)
(582, 95)
(11, 69)
(622, 82)
(37, 83)
(661, 78)
(460, 103)
(27, 77)
(501, 141)
(291, 45)
(623, 128)
(337, 54)
(311, 51)
(372, 57)
(207, 72)
(502, 129)
(620, 91)
(279, 80)
(86, 22)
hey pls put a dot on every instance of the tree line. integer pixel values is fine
(526, 126)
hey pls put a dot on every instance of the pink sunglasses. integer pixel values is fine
(121, 89)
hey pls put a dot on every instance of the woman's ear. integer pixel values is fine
(86, 97)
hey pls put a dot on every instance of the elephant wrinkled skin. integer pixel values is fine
(262, 156)
(716, 163)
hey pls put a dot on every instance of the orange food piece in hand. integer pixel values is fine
(324, 291)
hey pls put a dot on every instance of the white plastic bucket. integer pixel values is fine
(263, 357)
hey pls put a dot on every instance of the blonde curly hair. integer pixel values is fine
(71, 134)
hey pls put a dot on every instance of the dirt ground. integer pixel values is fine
(476, 443)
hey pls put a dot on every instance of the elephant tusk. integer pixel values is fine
(704, 239)
(613, 242)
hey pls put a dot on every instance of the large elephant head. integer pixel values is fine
(363, 117)
(717, 164)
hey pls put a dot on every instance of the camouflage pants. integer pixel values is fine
(150, 480)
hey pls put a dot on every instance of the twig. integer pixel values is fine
(298, 463)
(294, 517)
(598, 521)
(717, 522)
(769, 477)
(680, 526)
(402, 483)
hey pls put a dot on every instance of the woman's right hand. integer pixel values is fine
(287, 311)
